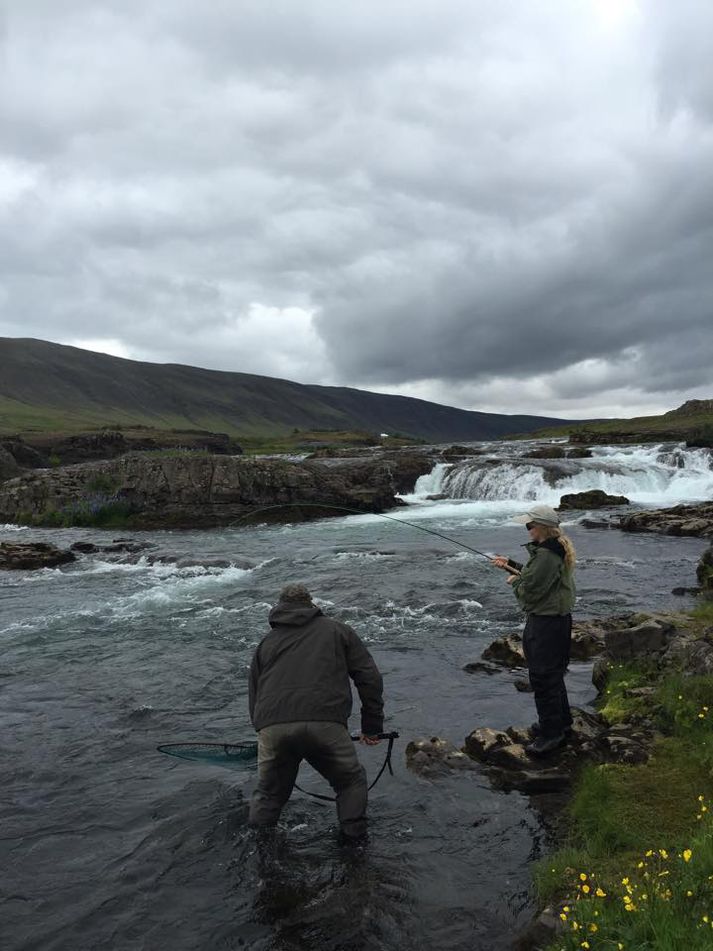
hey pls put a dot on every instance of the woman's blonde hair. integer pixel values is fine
(570, 555)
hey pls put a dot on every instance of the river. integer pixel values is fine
(107, 844)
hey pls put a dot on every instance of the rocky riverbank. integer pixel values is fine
(189, 490)
(654, 679)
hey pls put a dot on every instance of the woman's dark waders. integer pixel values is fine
(546, 642)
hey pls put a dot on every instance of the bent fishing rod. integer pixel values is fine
(353, 511)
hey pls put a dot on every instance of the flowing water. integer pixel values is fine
(104, 843)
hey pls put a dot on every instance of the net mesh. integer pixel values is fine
(227, 755)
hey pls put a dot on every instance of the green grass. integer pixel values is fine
(629, 827)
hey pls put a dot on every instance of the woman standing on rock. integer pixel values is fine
(545, 590)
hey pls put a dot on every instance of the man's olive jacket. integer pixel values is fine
(301, 671)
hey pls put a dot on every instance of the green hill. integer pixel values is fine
(692, 421)
(47, 387)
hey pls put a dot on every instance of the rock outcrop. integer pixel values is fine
(28, 556)
(190, 490)
(593, 499)
(8, 465)
(693, 520)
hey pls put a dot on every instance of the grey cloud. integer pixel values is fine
(466, 197)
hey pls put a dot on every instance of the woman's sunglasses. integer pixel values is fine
(529, 525)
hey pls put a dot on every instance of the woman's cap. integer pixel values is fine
(541, 514)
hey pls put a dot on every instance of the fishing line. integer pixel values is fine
(345, 508)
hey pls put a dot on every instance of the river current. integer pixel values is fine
(106, 844)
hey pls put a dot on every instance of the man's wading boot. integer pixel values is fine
(545, 744)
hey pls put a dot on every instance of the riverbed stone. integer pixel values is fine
(435, 756)
(593, 499)
(28, 556)
(506, 651)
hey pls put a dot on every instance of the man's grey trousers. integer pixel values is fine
(329, 749)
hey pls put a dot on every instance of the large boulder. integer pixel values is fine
(593, 499)
(28, 556)
(628, 641)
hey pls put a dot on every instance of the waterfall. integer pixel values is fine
(659, 475)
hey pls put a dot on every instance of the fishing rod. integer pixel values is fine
(353, 511)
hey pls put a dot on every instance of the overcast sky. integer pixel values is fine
(504, 205)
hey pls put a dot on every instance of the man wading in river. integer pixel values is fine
(545, 590)
(300, 701)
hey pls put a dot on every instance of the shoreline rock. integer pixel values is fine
(194, 491)
(687, 520)
(29, 556)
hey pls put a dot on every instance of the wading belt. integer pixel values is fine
(385, 765)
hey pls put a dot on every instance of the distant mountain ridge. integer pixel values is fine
(47, 386)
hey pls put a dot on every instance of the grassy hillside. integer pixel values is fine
(695, 416)
(47, 387)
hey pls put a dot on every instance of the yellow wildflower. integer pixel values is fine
(687, 855)
(593, 928)
(663, 853)
(689, 893)
(586, 889)
(582, 877)
(600, 893)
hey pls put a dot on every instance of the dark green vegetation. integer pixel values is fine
(45, 387)
(637, 869)
(692, 422)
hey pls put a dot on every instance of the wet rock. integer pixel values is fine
(681, 592)
(437, 498)
(458, 452)
(594, 499)
(522, 685)
(541, 932)
(405, 468)
(580, 452)
(509, 766)
(690, 520)
(482, 667)
(118, 546)
(600, 672)
(435, 756)
(545, 452)
(31, 555)
(598, 523)
(506, 651)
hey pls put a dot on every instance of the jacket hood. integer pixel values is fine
(293, 614)
(551, 544)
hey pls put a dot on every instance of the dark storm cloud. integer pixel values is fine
(505, 206)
